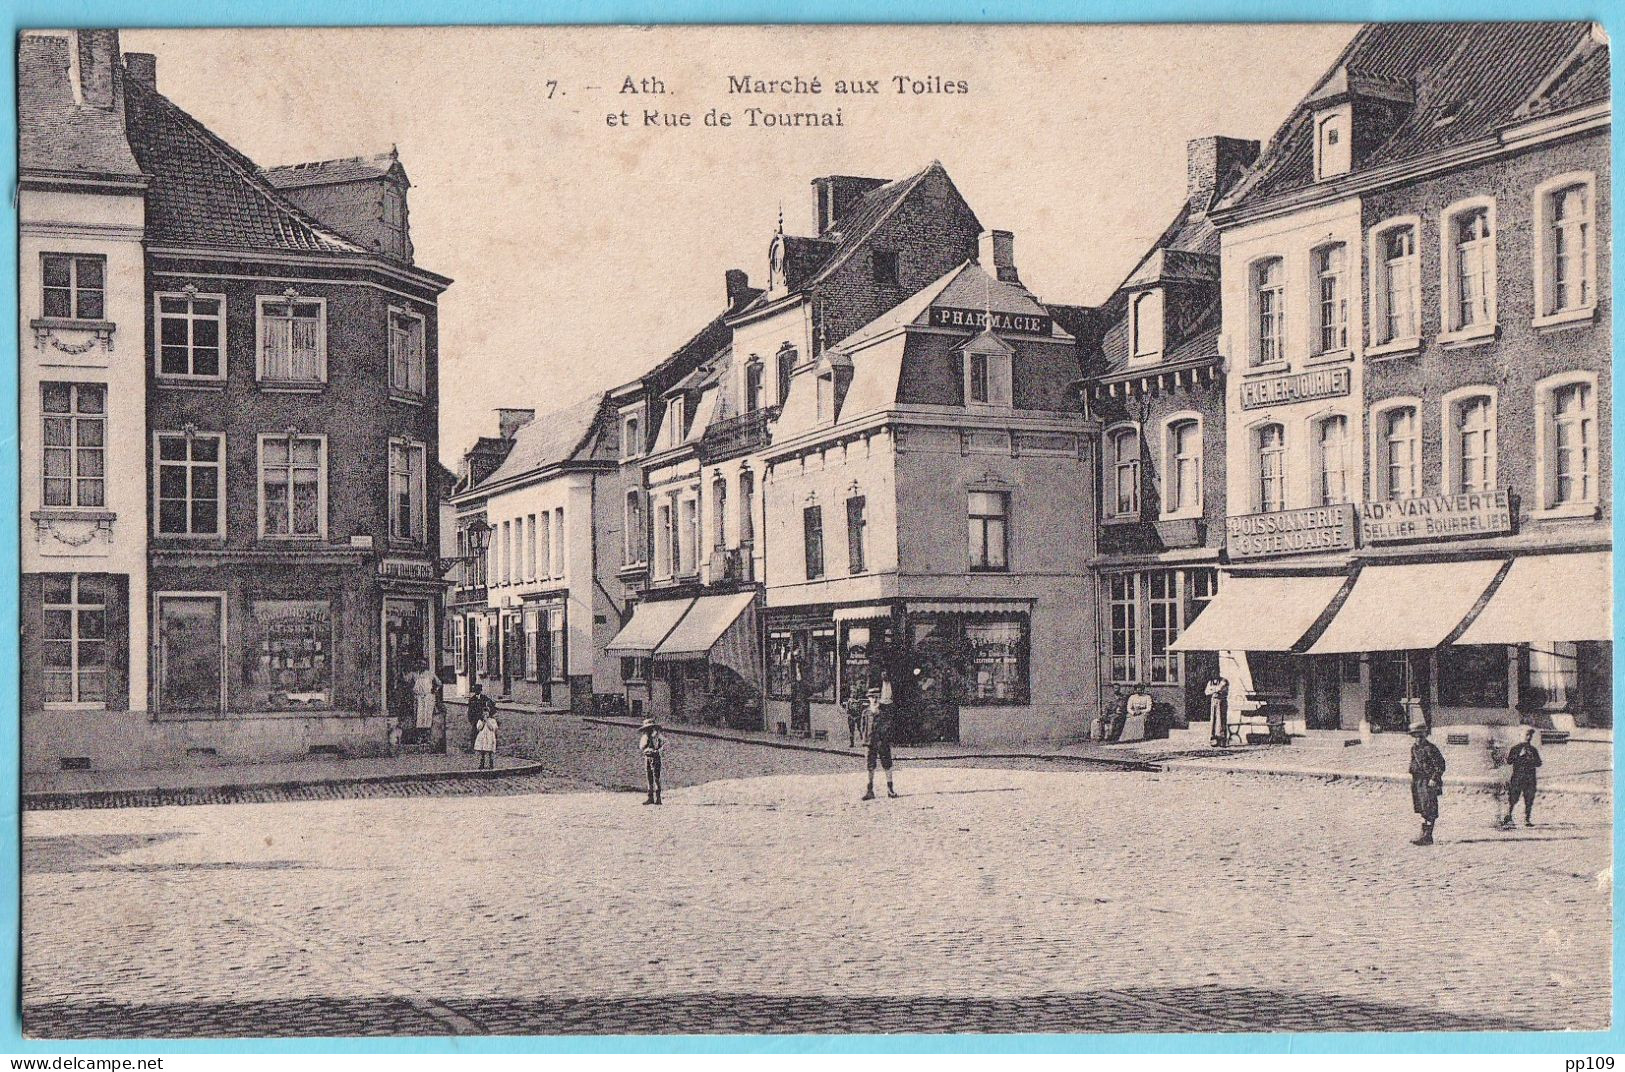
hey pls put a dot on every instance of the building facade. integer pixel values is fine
(1417, 324)
(82, 405)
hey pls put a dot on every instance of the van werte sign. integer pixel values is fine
(1016, 323)
(1290, 532)
(1295, 387)
(1437, 517)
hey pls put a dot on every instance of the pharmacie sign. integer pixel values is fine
(1297, 387)
(943, 316)
(1290, 532)
(1437, 517)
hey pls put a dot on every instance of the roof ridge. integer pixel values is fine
(246, 169)
(393, 152)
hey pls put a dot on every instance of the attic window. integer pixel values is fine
(885, 267)
(1449, 113)
(1332, 156)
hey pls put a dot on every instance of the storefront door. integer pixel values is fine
(191, 654)
(406, 633)
(1396, 675)
(1323, 693)
(929, 707)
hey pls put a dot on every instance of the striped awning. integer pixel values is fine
(970, 606)
(862, 614)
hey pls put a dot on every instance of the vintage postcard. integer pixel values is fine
(841, 530)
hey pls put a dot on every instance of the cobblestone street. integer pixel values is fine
(985, 899)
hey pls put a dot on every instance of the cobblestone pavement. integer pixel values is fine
(993, 899)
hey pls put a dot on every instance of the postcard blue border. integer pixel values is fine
(28, 14)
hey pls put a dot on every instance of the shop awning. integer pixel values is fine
(1405, 607)
(862, 614)
(703, 626)
(1259, 613)
(970, 606)
(650, 624)
(1547, 598)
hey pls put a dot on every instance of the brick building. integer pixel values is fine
(292, 409)
(1416, 320)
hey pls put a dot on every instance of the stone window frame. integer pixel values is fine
(1382, 489)
(1544, 262)
(1451, 329)
(1545, 505)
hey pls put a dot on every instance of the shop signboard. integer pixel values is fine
(1437, 517)
(1296, 387)
(1290, 532)
(943, 316)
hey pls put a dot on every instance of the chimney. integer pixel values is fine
(737, 282)
(142, 68)
(509, 421)
(1212, 166)
(97, 55)
(837, 194)
(996, 252)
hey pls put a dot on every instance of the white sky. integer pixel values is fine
(584, 254)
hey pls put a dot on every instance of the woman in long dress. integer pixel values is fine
(423, 699)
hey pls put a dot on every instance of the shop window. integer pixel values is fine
(781, 660)
(292, 340)
(558, 649)
(191, 648)
(978, 660)
(406, 361)
(812, 541)
(1566, 439)
(191, 472)
(536, 643)
(804, 655)
(1565, 267)
(290, 651)
(1123, 609)
(1269, 467)
(293, 486)
(1468, 264)
(1397, 298)
(1551, 678)
(864, 652)
(1332, 460)
(1331, 299)
(74, 427)
(1472, 675)
(1123, 481)
(75, 286)
(1269, 309)
(74, 639)
(989, 528)
(191, 336)
(1164, 602)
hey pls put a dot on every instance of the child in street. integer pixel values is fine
(485, 742)
(650, 743)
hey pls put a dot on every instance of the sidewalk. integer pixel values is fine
(38, 787)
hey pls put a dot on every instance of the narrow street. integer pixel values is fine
(985, 899)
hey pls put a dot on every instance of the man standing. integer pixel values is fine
(650, 743)
(1524, 759)
(479, 706)
(1427, 779)
(1218, 710)
(881, 730)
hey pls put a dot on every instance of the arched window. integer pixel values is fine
(1470, 459)
(1566, 438)
(1182, 465)
(1269, 442)
(1394, 294)
(1332, 460)
(1565, 231)
(1145, 324)
(1398, 471)
(1123, 481)
(1331, 299)
(1468, 261)
(753, 385)
(1269, 311)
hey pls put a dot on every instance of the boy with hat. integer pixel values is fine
(882, 728)
(1427, 778)
(649, 743)
(1524, 759)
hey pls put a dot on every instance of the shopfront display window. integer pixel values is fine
(1472, 675)
(1552, 681)
(290, 654)
(804, 655)
(975, 660)
(865, 651)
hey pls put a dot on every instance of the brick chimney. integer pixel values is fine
(1212, 165)
(97, 55)
(737, 282)
(141, 68)
(837, 194)
(996, 253)
(509, 421)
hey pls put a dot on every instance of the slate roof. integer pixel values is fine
(53, 133)
(205, 193)
(1469, 80)
(703, 345)
(549, 440)
(967, 286)
(324, 172)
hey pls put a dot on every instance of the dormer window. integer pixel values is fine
(826, 397)
(1145, 325)
(393, 217)
(753, 385)
(1333, 142)
(987, 371)
(674, 421)
(786, 362)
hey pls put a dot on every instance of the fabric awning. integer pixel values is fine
(1406, 607)
(650, 624)
(862, 614)
(703, 626)
(971, 606)
(1547, 598)
(1259, 613)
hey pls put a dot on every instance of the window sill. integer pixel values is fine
(990, 569)
(297, 540)
(191, 537)
(72, 513)
(68, 323)
(1122, 519)
(407, 398)
(1565, 317)
(1331, 357)
(1477, 335)
(1268, 368)
(64, 705)
(1397, 348)
(1568, 512)
(292, 387)
(188, 383)
(1182, 515)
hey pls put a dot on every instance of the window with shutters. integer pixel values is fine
(292, 340)
(74, 639)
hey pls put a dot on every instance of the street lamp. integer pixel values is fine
(476, 538)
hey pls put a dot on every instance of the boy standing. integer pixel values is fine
(1524, 759)
(881, 730)
(649, 743)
